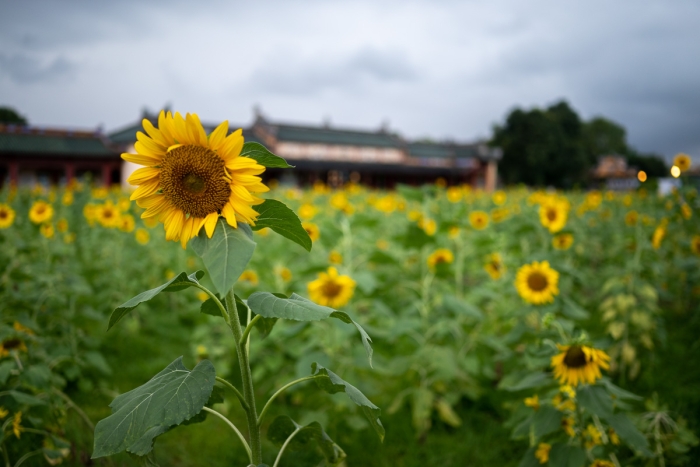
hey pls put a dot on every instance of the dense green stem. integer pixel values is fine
(247, 377)
(235, 390)
(224, 313)
(279, 391)
(233, 427)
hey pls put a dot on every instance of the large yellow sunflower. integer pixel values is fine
(331, 289)
(191, 178)
(537, 283)
(576, 364)
(7, 216)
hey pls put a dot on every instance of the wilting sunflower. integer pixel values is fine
(542, 452)
(479, 220)
(576, 364)
(537, 283)
(40, 212)
(494, 266)
(695, 244)
(563, 241)
(553, 215)
(440, 256)
(331, 289)
(7, 216)
(312, 230)
(682, 161)
(190, 179)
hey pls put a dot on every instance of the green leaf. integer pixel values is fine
(332, 383)
(263, 156)
(573, 310)
(546, 420)
(278, 217)
(596, 400)
(226, 254)
(282, 428)
(210, 307)
(564, 455)
(460, 307)
(5, 368)
(629, 433)
(618, 392)
(179, 282)
(520, 381)
(265, 325)
(26, 399)
(529, 459)
(298, 308)
(173, 396)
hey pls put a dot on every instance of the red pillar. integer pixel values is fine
(70, 172)
(106, 174)
(14, 173)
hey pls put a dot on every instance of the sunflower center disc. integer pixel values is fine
(12, 344)
(575, 357)
(193, 179)
(551, 214)
(537, 281)
(331, 289)
(4, 215)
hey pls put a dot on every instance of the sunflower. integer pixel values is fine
(335, 257)
(479, 220)
(190, 179)
(62, 225)
(542, 452)
(695, 244)
(249, 276)
(13, 343)
(686, 211)
(284, 273)
(16, 424)
(577, 364)
(553, 215)
(567, 424)
(499, 198)
(127, 223)
(331, 289)
(454, 194)
(67, 198)
(631, 218)
(453, 232)
(440, 256)
(537, 283)
(602, 463)
(494, 266)
(108, 215)
(429, 226)
(499, 214)
(533, 402)
(142, 236)
(659, 234)
(614, 438)
(40, 212)
(307, 211)
(47, 230)
(593, 436)
(562, 241)
(7, 216)
(312, 230)
(682, 161)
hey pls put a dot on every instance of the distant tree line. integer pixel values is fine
(10, 116)
(554, 147)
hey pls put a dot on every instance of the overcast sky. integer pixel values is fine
(439, 69)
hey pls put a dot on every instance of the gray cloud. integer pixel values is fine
(24, 69)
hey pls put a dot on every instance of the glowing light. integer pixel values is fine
(642, 176)
(675, 171)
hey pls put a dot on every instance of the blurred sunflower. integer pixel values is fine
(429, 226)
(7, 216)
(440, 256)
(659, 234)
(190, 179)
(576, 364)
(127, 223)
(13, 343)
(499, 198)
(602, 463)
(142, 236)
(47, 230)
(108, 214)
(695, 244)
(682, 161)
(335, 257)
(499, 214)
(478, 220)
(284, 273)
(542, 452)
(494, 266)
(537, 283)
(553, 215)
(67, 198)
(562, 241)
(40, 212)
(533, 402)
(16, 424)
(62, 225)
(307, 211)
(631, 218)
(454, 194)
(567, 424)
(249, 276)
(312, 230)
(331, 289)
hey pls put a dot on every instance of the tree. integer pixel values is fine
(603, 137)
(8, 115)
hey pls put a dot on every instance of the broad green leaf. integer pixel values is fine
(629, 433)
(573, 310)
(282, 428)
(529, 459)
(596, 400)
(173, 396)
(565, 455)
(179, 282)
(332, 383)
(546, 420)
(296, 307)
(618, 392)
(5, 368)
(520, 381)
(263, 156)
(278, 217)
(24, 398)
(226, 254)
(210, 307)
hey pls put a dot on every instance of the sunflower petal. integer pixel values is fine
(142, 175)
(217, 137)
(141, 159)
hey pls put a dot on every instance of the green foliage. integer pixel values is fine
(263, 156)
(281, 219)
(284, 428)
(10, 116)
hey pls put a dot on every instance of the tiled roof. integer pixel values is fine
(14, 139)
(326, 135)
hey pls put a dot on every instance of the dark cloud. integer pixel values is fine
(24, 69)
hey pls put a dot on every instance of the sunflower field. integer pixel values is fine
(519, 328)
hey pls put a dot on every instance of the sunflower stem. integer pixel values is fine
(247, 377)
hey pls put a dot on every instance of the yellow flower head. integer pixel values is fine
(563, 241)
(331, 289)
(284, 273)
(307, 211)
(577, 364)
(695, 244)
(62, 225)
(249, 276)
(47, 230)
(494, 266)
(335, 257)
(614, 439)
(542, 452)
(499, 198)
(453, 232)
(16, 424)
(537, 283)
(67, 198)
(567, 424)
(190, 178)
(19, 327)
(429, 226)
(127, 223)
(3, 412)
(12, 344)
(108, 215)
(553, 215)
(682, 161)
(312, 230)
(659, 234)
(440, 256)
(593, 436)
(533, 402)
(100, 192)
(454, 194)
(40, 212)
(478, 220)
(142, 236)
(686, 211)
(602, 463)
(499, 214)
(7, 216)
